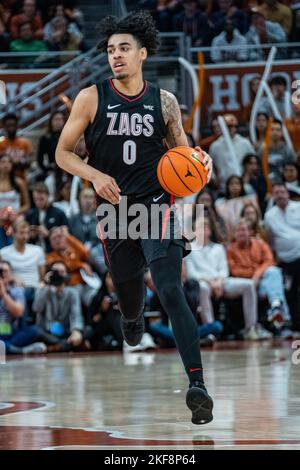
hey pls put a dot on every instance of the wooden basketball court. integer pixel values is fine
(137, 401)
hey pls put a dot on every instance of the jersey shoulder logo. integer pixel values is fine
(149, 107)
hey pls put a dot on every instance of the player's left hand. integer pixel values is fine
(207, 162)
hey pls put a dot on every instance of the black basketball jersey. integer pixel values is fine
(125, 139)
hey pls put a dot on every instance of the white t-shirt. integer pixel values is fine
(25, 265)
(207, 262)
(285, 230)
(226, 163)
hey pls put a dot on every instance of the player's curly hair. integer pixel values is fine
(140, 24)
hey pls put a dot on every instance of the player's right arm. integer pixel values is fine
(82, 113)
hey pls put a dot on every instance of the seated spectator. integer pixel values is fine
(230, 206)
(84, 225)
(73, 13)
(27, 43)
(49, 29)
(208, 265)
(206, 142)
(253, 88)
(160, 328)
(18, 339)
(229, 11)
(279, 152)
(252, 215)
(264, 32)
(29, 14)
(229, 46)
(13, 190)
(104, 317)
(14, 199)
(273, 10)
(48, 142)
(283, 225)
(64, 202)
(218, 226)
(74, 255)
(225, 163)
(193, 23)
(261, 124)
(278, 86)
(291, 178)
(253, 178)
(58, 311)
(293, 126)
(27, 261)
(163, 12)
(43, 217)
(252, 258)
(62, 40)
(18, 148)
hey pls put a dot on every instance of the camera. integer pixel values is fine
(55, 279)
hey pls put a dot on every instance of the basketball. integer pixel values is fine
(181, 171)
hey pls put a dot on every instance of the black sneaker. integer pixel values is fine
(200, 403)
(133, 330)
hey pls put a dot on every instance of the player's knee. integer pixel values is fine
(168, 293)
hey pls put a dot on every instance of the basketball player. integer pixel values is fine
(125, 121)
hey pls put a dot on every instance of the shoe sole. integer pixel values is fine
(200, 404)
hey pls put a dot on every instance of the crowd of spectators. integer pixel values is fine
(56, 293)
(243, 281)
(234, 29)
(230, 26)
(33, 26)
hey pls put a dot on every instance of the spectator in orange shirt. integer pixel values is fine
(30, 14)
(74, 255)
(19, 149)
(252, 258)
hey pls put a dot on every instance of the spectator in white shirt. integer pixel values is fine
(226, 164)
(229, 46)
(208, 264)
(262, 31)
(27, 261)
(283, 224)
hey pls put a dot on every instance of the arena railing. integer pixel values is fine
(34, 60)
(83, 70)
(251, 53)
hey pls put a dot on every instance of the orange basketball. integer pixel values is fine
(181, 171)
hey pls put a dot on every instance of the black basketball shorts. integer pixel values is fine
(131, 240)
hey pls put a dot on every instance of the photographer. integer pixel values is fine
(58, 310)
(104, 317)
(17, 339)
